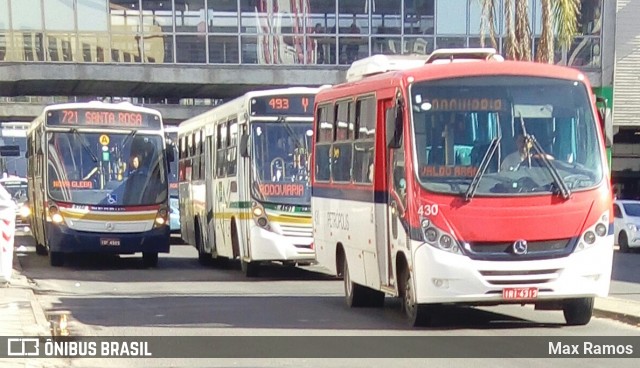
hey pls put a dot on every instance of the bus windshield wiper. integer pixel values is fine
(493, 146)
(557, 178)
(128, 137)
(291, 133)
(84, 144)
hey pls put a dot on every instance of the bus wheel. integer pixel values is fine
(250, 269)
(203, 257)
(56, 259)
(356, 295)
(415, 314)
(623, 241)
(150, 259)
(41, 250)
(578, 312)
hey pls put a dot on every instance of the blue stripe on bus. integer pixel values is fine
(351, 194)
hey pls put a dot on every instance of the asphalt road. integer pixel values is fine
(115, 296)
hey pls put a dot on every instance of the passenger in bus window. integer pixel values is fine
(135, 164)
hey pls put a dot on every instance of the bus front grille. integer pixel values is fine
(521, 277)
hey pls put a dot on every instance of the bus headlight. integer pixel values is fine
(25, 211)
(162, 218)
(440, 239)
(259, 215)
(591, 235)
(54, 215)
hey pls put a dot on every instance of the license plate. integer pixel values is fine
(110, 242)
(519, 293)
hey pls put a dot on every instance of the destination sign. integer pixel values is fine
(469, 171)
(282, 105)
(467, 104)
(282, 190)
(102, 118)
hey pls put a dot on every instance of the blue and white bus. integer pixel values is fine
(98, 180)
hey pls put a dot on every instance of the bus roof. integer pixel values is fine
(436, 71)
(238, 104)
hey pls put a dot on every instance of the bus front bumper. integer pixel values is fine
(66, 240)
(269, 246)
(443, 277)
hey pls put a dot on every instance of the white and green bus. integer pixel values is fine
(244, 179)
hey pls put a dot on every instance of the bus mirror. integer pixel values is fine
(10, 151)
(606, 121)
(244, 145)
(392, 123)
(170, 149)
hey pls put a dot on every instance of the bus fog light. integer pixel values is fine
(601, 230)
(589, 237)
(440, 283)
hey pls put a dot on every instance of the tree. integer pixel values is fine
(559, 18)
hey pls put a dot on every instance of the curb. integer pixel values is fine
(627, 311)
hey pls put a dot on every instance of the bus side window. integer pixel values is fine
(324, 121)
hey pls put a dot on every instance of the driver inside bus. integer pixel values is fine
(513, 160)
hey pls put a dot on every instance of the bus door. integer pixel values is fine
(210, 231)
(384, 212)
(397, 189)
(221, 196)
(244, 195)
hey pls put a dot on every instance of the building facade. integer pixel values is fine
(321, 33)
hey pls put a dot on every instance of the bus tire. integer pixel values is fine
(356, 295)
(578, 312)
(623, 242)
(415, 314)
(56, 259)
(203, 257)
(250, 269)
(41, 250)
(150, 259)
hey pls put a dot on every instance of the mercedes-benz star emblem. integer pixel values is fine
(109, 226)
(520, 247)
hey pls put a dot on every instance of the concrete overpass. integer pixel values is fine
(152, 81)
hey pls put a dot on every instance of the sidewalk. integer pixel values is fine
(22, 315)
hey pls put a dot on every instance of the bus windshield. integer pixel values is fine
(281, 162)
(544, 131)
(106, 169)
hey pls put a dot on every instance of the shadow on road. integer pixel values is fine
(271, 312)
(181, 264)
